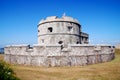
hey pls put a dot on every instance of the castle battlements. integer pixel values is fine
(56, 19)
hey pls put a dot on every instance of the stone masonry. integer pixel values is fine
(60, 43)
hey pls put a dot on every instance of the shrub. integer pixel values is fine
(6, 73)
(117, 51)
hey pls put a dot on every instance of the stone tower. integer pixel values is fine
(65, 30)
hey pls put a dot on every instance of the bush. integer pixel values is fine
(6, 73)
(117, 51)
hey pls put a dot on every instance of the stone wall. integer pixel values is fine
(53, 32)
(59, 55)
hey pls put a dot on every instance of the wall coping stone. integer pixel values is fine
(20, 45)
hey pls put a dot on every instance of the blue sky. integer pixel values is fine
(19, 19)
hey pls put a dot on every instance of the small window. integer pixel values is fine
(70, 23)
(38, 30)
(50, 29)
(69, 28)
(86, 39)
(82, 38)
(42, 40)
(62, 47)
(60, 42)
(113, 46)
(77, 42)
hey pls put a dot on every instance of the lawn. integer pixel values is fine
(103, 71)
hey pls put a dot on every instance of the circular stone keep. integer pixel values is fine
(67, 30)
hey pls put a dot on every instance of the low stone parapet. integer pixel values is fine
(54, 55)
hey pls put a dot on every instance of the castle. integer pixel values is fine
(61, 42)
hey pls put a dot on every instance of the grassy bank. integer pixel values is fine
(6, 72)
(103, 71)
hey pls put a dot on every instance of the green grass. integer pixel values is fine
(103, 71)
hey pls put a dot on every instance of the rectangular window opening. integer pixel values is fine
(50, 29)
(69, 28)
(42, 40)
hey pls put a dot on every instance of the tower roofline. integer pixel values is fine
(56, 19)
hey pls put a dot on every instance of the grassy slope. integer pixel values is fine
(102, 71)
